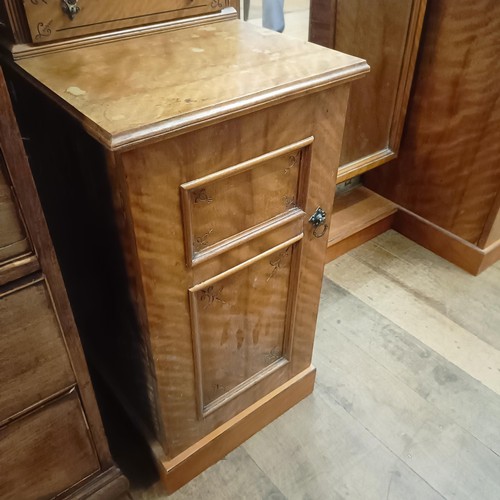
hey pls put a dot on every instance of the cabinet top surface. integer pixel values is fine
(131, 91)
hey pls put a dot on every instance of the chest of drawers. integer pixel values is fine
(51, 439)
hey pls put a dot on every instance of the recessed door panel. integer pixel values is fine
(224, 205)
(240, 324)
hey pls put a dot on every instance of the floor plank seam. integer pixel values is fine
(262, 470)
(397, 458)
(399, 379)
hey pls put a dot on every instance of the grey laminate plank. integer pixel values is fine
(448, 457)
(469, 403)
(234, 477)
(415, 315)
(317, 451)
(470, 301)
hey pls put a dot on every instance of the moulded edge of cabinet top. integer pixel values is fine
(143, 89)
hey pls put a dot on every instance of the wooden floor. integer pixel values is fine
(407, 400)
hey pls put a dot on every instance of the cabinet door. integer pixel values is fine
(385, 33)
(231, 269)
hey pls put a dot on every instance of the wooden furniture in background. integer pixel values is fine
(386, 33)
(447, 176)
(358, 216)
(28, 27)
(220, 146)
(51, 437)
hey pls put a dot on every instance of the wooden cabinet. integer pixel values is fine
(220, 148)
(51, 439)
(447, 176)
(386, 33)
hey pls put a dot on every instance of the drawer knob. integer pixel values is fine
(318, 221)
(70, 8)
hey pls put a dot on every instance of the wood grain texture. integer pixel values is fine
(158, 226)
(354, 240)
(468, 301)
(358, 216)
(42, 314)
(491, 229)
(223, 205)
(216, 445)
(386, 34)
(428, 440)
(47, 21)
(43, 443)
(444, 243)
(448, 170)
(19, 171)
(266, 93)
(240, 333)
(34, 361)
(461, 347)
(14, 241)
(18, 268)
(241, 66)
(25, 50)
(228, 483)
(355, 210)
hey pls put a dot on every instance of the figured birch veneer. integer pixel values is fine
(128, 92)
(218, 142)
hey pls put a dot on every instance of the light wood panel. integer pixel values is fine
(386, 34)
(49, 21)
(358, 215)
(40, 25)
(14, 240)
(34, 363)
(43, 443)
(448, 171)
(241, 66)
(223, 205)
(229, 321)
(158, 226)
(444, 243)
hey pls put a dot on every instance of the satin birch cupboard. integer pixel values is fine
(215, 145)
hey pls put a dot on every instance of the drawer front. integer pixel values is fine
(34, 363)
(13, 237)
(55, 19)
(46, 452)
